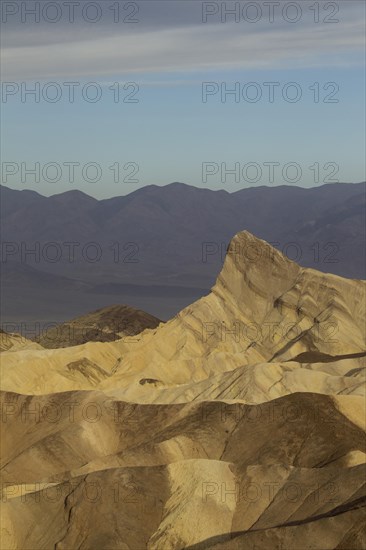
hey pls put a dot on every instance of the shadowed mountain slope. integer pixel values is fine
(169, 237)
(103, 325)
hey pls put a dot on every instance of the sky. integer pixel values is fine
(223, 95)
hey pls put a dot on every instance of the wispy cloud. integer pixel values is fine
(57, 54)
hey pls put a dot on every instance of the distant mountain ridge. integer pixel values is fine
(174, 236)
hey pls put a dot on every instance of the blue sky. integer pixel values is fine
(169, 132)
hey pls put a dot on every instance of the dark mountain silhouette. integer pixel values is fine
(173, 236)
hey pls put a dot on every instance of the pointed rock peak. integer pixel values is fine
(247, 252)
(254, 266)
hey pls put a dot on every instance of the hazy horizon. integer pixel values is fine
(95, 196)
(154, 92)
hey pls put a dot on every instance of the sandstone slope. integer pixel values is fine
(275, 323)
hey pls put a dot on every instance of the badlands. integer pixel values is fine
(238, 424)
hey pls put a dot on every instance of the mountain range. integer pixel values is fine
(160, 248)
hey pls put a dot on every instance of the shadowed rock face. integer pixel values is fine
(176, 476)
(239, 424)
(103, 325)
